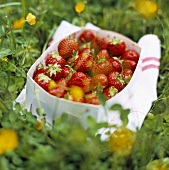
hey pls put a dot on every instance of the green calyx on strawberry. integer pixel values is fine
(54, 71)
(116, 47)
(42, 80)
(127, 75)
(110, 92)
(53, 58)
(70, 61)
(40, 68)
(115, 79)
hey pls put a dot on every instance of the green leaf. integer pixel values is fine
(5, 52)
(116, 107)
(12, 88)
(4, 163)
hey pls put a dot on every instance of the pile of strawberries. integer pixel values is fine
(91, 62)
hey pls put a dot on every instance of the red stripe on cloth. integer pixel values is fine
(149, 67)
(150, 58)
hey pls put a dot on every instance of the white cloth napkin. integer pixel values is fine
(142, 91)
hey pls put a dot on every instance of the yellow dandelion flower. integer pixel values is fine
(4, 59)
(8, 140)
(121, 141)
(79, 7)
(39, 125)
(147, 8)
(31, 19)
(76, 92)
(18, 24)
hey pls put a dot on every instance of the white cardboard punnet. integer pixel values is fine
(137, 96)
(53, 106)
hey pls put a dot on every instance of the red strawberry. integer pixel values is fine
(60, 89)
(99, 80)
(40, 68)
(91, 98)
(65, 71)
(116, 47)
(117, 66)
(84, 62)
(53, 58)
(109, 92)
(42, 80)
(67, 46)
(102, 66)
(86, 36)
(129, 64)
(115, 79)
(80, 79)
(130, 55)
(103, 54)
(127, 75)
(98, 43)
(54, 71)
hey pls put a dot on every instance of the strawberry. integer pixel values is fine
(67, 46)
(91, 98)
(110, 92)
(98, 43)
(40, 68)
(65, 71)
(127, 75)
(117, 66)
(102, 66)
(130, 55)
(54, 71)
(103, 54)
(42, 80)
(129, 64)
(53, 58)
(115, 79)
(84, 62)
(86, 36)
(60, 88)
(116, 47)
(80, 79)
(99, 80)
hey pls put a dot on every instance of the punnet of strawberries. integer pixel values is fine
(89, 61)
